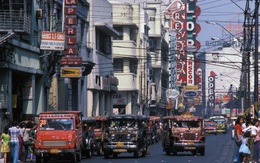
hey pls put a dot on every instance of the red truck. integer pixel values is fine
(59, 135)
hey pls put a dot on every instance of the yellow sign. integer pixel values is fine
(70, 72)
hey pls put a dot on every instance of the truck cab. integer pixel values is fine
(59, 135)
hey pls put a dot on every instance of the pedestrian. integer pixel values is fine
(5, 137)
(21, 153)
(238, 137)
(14, 141)
(28, 140)
(244, 149)
(256, 140)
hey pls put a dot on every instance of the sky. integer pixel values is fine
(225, 12)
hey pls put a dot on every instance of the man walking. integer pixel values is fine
(14, 141)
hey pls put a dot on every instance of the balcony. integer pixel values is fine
(124, 49)
(15, 20)
(126, 81)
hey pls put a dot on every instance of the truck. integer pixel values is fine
(59, 135)
(182, 133)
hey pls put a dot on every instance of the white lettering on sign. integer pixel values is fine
(70, 2)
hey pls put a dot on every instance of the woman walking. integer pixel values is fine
(238, 137)
(5, 145)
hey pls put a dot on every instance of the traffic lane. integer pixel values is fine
(219, 149)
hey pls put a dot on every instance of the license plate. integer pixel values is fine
(119, 150)
(190, 142)
(119, 144)
(190, 148)
(54, 151)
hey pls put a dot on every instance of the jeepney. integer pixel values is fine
(127, 133)
(183, 133)
(99, 133)
(221, 122)
(59, 135)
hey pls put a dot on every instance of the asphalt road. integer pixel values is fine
(219, 149)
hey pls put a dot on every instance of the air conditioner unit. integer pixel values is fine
(38, 13)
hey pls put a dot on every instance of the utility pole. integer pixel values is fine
(256, 61)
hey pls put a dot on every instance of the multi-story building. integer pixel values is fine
(140, 57)
(21, 74)
(101, 81)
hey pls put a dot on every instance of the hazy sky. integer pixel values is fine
(225, 12)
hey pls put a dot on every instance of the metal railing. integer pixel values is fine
(15, 20)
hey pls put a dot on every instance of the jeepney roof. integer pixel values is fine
(155, 118)
(184, 117)
(88, 119)
(62, 112)
(129, 116)
(101, 118)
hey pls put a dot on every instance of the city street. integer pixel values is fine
(219, 149)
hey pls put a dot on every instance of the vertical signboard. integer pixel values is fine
(211, 92)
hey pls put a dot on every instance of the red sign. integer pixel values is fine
(71, 10)
(71, 31)
(71, 51)
(71, 21)
(71, 2)
(71, 61)
(71, 40)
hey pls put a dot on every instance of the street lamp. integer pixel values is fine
(215, 23)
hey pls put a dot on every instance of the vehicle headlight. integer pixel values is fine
(196, 135)
(39, 142)
(69, 142)
(128, 136)
(112, 136)
(182, 135)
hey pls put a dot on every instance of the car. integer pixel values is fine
(210, 127)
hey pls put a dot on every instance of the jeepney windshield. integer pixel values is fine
(56, 124)
(209, 125)
(188, 124)
(124, 123)
(220, 121)
(98, 125)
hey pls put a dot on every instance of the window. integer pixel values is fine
(103, 43)
(133, 34)
(121, 33)
(133, 66)
(118, 65)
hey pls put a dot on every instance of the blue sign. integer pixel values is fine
(190, 93)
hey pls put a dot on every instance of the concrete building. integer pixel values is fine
(224, 64)
(140, 60)
(101, 83)
(22, 89)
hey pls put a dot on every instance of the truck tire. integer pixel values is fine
(99, 149)
(106, 154)
(74, 157)
(168, 151)
(38, 158)
(202, 151)
(78, 155)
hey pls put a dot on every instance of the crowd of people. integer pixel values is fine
(247, 139)
(17, 142)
